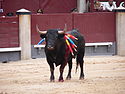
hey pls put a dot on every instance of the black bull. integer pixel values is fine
(57, 53)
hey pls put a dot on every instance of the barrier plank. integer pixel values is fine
(9, 32)
(49, 21)
(96, 27)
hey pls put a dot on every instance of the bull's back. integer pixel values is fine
(80, 43)
(79, 36)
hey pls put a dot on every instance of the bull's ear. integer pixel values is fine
(61, 35)
(43, 35)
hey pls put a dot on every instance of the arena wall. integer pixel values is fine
(98, 28)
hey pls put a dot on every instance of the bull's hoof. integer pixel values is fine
(68, 78)
(81, 77)
(52, 80)
(61, 80)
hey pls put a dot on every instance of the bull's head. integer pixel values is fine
(51, 36)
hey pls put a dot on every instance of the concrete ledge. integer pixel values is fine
(39, 46)
(91, 49)
(99, 44)
(10, 49)
(86, 44)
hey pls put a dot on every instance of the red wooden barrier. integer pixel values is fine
(50, 21)
(9, 32)
(96, 27)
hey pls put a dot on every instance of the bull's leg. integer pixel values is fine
(70, 68)
(82, 73)
(81, 62)
(61, 72)
(52, 78)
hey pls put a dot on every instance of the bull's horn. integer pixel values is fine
(61, 32)
(65, 28)
(40, 32)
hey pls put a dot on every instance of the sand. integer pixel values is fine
(103, 75)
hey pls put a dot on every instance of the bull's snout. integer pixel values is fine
(50, 47)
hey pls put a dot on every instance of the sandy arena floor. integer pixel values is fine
(103, 75)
